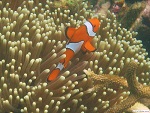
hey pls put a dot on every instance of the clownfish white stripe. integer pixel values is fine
(89, 28)
(60, 66)
(75, 46)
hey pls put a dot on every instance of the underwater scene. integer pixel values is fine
(74, 56)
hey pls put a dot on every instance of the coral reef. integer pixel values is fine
(32, 43)
(130, 16)
(104, 80)
(72, 5)
(143, 27)
(103, 9)
(146, 13)
(137, 90)
(133, 1)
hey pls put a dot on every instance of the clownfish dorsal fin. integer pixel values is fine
(69, 31)
(89, 46)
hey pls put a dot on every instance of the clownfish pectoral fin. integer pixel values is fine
(69, 32)
(88, 46)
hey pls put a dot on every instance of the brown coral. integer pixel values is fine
(105, 80)
(137, 90)
(135, 87)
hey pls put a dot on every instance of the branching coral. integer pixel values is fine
(32, 43)
(135, 87)
(100, 81)
(135, 10)
(137, 90)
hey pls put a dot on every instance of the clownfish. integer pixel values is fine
(78, 39)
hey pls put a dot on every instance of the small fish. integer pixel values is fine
(78, 39)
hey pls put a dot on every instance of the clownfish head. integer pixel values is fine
(92, 26)
(95, 23)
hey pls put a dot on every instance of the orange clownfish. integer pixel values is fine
(79, 39)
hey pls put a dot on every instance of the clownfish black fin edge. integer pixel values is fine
(69, 31)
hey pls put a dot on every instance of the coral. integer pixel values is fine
(103, 9)
(100, 81)
(31, 44)
(137, 90)
(143, 26)
(146, 12)
(72, 5)
(129, 19)
(133, 1)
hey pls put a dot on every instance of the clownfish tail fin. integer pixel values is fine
(53, 75)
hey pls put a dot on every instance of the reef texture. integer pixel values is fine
(135, 10)
(32, 42)
(137, 90)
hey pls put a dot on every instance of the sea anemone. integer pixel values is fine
(31, 44)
